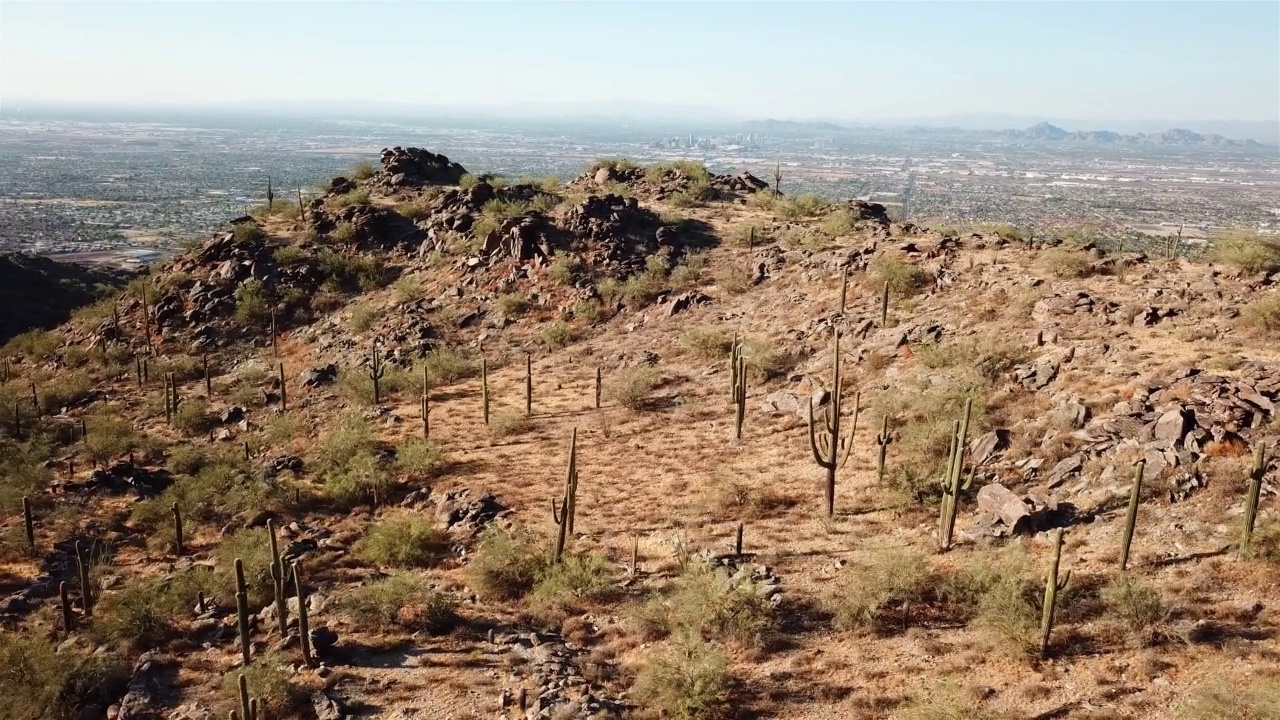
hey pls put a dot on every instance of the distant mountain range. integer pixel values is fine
(1045, 132)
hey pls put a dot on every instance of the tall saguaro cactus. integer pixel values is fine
(1132, 519)
(86, 589)
(278, 581)
(528, 383)
(242, 612)
(1255, 492)
(1052, 587)
(884, 305)
(882, 448)
(271, 196)
(284, 390)
(951, 485)
(777, 180)
(426, 403)
(844, 289)
(178, 545)
(599, 386)
(569, 502)
(830, 450)
(28, 523)
(376, 372)
(304, 624)
(738, 366)
(484, 388)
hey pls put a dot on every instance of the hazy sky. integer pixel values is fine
(847, 60)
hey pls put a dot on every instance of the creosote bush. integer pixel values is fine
(39, 681)
(708, 605)
(872, 592)
(558, 334)
(512, 304)
(1066, 263)
(633, 387)
(905, 278)
(506, 563)
(707, 342)
(419, 456)
(445, 366)
(1246, 251)
(403, 601)
(271, 681)
(1263, 312)
(403, 540)
(689, 680)
(1138, 607)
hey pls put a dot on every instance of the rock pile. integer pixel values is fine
(416, 167)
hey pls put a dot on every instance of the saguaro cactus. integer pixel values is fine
(844, 289)
(599, 386)
(1052, 587)
(242, 612)
(376, 372)
(426, 403)
(246, 706)
(951, 485)
(528, 384)
(569, 502)
(86, 590)
(738, 366)
(1132, 519)
(284, 389)
(28, 522)
(304, 625)
(302, 207)
(484, 388)
(271, 197)
(68, 619)
(177, 529)
(830, 450)
(1255, 492)
(884, 305)
(737, 542)
(208, 381)
(275, 336)
(777, 180)
(882, 448)
(278, 581)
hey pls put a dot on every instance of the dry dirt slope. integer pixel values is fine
(1078, 365)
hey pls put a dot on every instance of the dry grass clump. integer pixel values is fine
(707, 342)
(736, 500)
(905, 278)
(1246, 251)
(509, 424)
(1066, 263)
(1264, 312)
(1138, 608)
(419, 456)
(512, 305)
(991, 357)
(947, 703)
(558, 335)
(399, 601)
(443, 366)
(689, 680)
(633, 387)
(403, 540)
(1254, 698)
(39, 680)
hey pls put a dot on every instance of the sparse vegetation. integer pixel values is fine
(403, 540)
(558, 334)
(506, 563)
(400, 601)
(878, 592)
(633, 387)
(905, 278)
(688, 680)
(1246, 251)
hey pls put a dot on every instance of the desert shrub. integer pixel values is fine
(642, 289)
(1266, 540)
(247, 232)
(587, 311)
(905, 278)
(445, 366)
(764, 361)
(1138, 607)
(343, 232)
(689, 272)
(507, 424)
(35, 343)
(142, 614)
(575, 580)
(40, 682)
(505, 209)
(610, 290)
(360, 479)
(282, 430)
(747, 234)
(187, 459)
(1264, 312)
(468, 181)
(632, 387)
(1066, 263)
(924, 419)
(1010, 609)
(363, 170)
(734, 278)
(278, 208)
(221, 488)
(252, 546)
(419, 456)
(691, 169)
(1246, 251)
(1255, 697)
(408, 289)
(359, 196)
(352, 270)
(414, 210)
(182, 367)
(403, 541)
(709, 605)
(558, 334)
(870, 587)
(192, 417)
(269, 679)
(363, 315)
(399, 601)
(512, 304)
(839, 223)
(253, 302)
(564, 269)
(70, 388)
(109, 437)
(732, 499)
(991, 357)
(688, 680)
(612, 163)
(707, 342)
(506, 563)
(545, 201)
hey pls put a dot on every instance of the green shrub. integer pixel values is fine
(445, 366)
(691, 169)
(35, 343)
(558, 334)
(587, 311)
(506, 563)
(840, 223)
(347, 270)
(689, 272)
(399, 601)
(874, 584)
(142, 615)
(613, 163)
(270, 679)
(947, 703)
(905, 278)
(1066, 263)
(68, 389)
(247, 232)
(403, 541)
(343, 232)
(688, 680)
(415, 210)
(419, 456)
(512, 304)
(468, 181)
(610, 290)
(632, 387)
(1246, 251)
(363, 170)
(363, 315)
(252, 547)
(110, 437)
(573, 581)
(709, 343)
(507, 424)
(1138, 607)
(1010, 609)
(409, 288)
(564, 269)
(38, 681)
(709, 605)
(1264, 312)
(193, 417)
(253, 302)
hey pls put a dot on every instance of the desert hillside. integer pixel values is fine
(652, 443)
